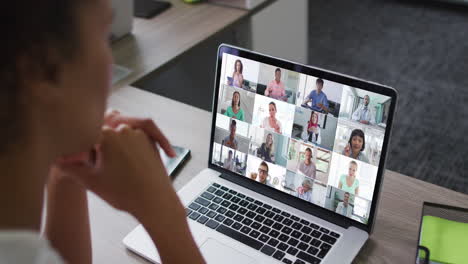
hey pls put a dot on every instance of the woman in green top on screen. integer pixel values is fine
(349, 183)
(234, 110)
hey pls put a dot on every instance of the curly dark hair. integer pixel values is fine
(358, 133)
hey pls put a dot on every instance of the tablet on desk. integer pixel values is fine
(172, 164)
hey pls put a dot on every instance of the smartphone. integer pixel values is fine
(149, 8)
(172, 164)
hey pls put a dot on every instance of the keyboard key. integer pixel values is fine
(285, 214)
(302, 246)
(298, 261)
(316, 234)
(278, 218)
(194, 215)
(211, 214)
(263, 238)
(217, 200)
(304, 222)
(247, 221)
(194, 206)
(278, 255)
(246, 229)
(238, 217)
(230, 213)
(232, 192)
(286, 230)
(322, 253)
(225, 203)
(220, 218)
(212, 224)
(219, 193)
(255, 225)
(296, 234)
(296, 226)
(293, 242)
(282, 246)
(213, 206)
(224, 188)
(257, 202)
(287, 261)
(203, 210)
(254, 234)
(202, 219)
(221, 210)
(249, 199)
(306, 238)
(265, 229)
(260, 210)
(236, 226)
(335, 235)
(292, 251)
(266, 206)
(273, 242)
(268, 222)
(324, 230)
(274, 233)
(306, 257)
(234, 207)
(250, 214)
(252, 207)
(276, 210)
(235, 199)
(314, 226)
(242, 211)
(244, 203)
(287, 222)
(240, 195)
(315, 242)
(312, 250)
(283, 237)
(267, 250)
(277, 226)
(295, 218)
(227, 196)
(328, 239)
(216, 185)
(259, 218)
(211, 189)
(325, 246)
(228, 222)
(207, 196)
(239, 237)
(306, 230)
(270, 214)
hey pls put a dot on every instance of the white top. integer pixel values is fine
(342, 210)
(266, 125)
(21, 246)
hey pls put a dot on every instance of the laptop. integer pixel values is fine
(269, 195)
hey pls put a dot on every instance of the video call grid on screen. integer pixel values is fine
(317, 140)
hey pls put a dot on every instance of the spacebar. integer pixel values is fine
(239, 237)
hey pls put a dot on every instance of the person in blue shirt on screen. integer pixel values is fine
(318, 98)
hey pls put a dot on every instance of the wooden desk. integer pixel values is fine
(396, 229)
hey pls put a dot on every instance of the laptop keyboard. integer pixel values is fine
(274, 232)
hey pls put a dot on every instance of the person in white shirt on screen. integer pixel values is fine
(305, 190)
(364, 114)
(344, 208)
(271, 122)
(58, 143)
(229, 161)
(307, 167)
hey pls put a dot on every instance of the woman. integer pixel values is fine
(265, 151)
(356, 145)
(237, 77)
(55, 79)
(349, 183)
(234, 110)
(305, 190)
(313, 129)
(270, 122)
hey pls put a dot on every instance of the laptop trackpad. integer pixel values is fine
(215, 252)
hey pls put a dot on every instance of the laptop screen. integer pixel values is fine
(309, 137)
